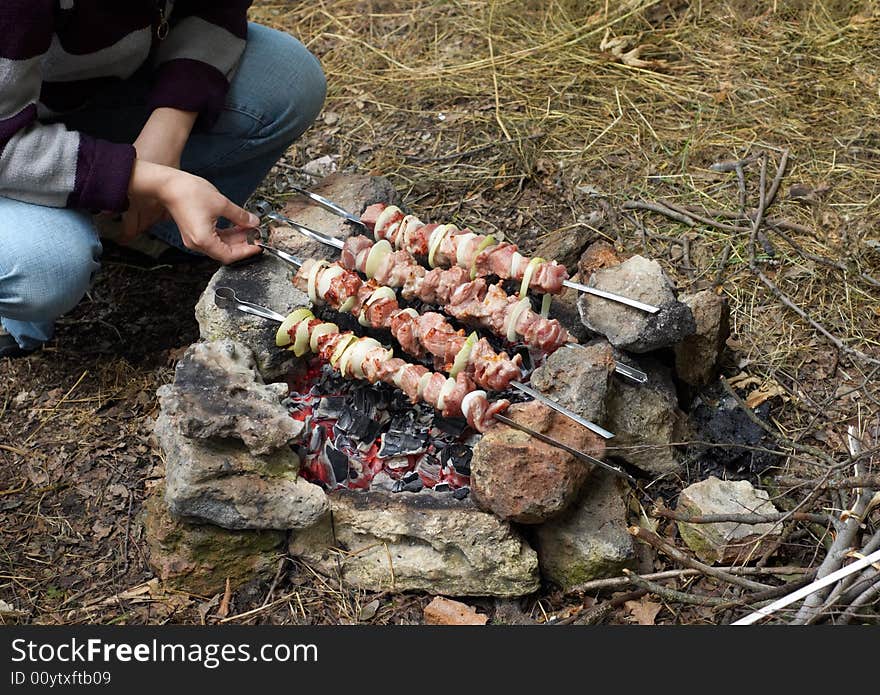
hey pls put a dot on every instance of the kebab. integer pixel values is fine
(418, 334)
(367, 359)
(479, 254)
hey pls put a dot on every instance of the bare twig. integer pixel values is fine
(673, 595)
(681, 558)
(675, 515)
(656, 207)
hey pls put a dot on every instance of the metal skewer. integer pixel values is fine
(329, 205)
(226, 297)
(338, 243)
(538, 396)
(560, 445)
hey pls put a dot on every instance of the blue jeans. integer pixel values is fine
(48, 256)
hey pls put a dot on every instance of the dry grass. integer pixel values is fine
(519, 116)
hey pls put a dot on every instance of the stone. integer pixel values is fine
(564, 245)
(220, 482)
(418, 542)
(628, 328)
(442, 611)
(646, 419)
(199, 558)
(522, 479)
(598, 255)
(352, 192)
(590, 540)
(727, 542)
(564, 308)
(697, 356)
(578, 377)
(264, 281)
(218, 393)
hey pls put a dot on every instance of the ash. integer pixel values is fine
(367, 437)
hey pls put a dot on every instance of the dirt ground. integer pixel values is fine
(531, 119)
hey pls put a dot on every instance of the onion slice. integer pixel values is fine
(437, 237)
(301, 339)
(323, 282)
(423, 382)
(545, 305)
(319, 332)
(484, 244)
(527, 276)
(347, 305)
(313, 278)
(464, 355)
(468, 399)
(445, 390)
(377, 254)
(341, 348)
(282, 337)
(382, 220)
(522, 305)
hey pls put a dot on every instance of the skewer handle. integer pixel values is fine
(649, 308)
(226, 297)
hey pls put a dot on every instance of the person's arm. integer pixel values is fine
(195, 206)
(48, 164)
(198, 57)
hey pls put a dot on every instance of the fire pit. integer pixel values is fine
(418, 497)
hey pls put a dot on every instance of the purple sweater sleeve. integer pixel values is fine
(199, 56)
(48, 164)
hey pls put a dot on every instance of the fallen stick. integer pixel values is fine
(811, 588)
(621, 582)
(675, 515)
(681, 558)
(656, 207)
(676, 596)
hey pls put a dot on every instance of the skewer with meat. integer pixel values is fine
(447, 246)
(418, 334)
(366, 359)
(474, 302)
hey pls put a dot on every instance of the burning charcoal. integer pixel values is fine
(450, 425)
(458, 456)
(461, 493)
(397, 463)
(414, 486)
(429, 469)
(441, 487)
(398, 486)
(316, 438)
(358, 426)
(365, 401)
(383, 481)
(402, 444)
(330, 407)
(410, 477)
(338, 460)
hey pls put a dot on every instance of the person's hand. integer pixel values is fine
(161, 141)
(196, 206)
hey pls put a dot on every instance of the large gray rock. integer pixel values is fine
(696, 357)
(265, 281)
(217, 392)
(578, 377)
(525, 480)
(590, 540)
(729, 541)
(628, 328)
(201, 558)
(353, 192)
(646, 420)
(219, 481)
(418, 541)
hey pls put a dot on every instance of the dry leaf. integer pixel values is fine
(223, 610)
(442, 611)
(369, 610)
(101, 531)
(643, 610)
(764, 393)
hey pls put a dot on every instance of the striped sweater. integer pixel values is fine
(56, 54)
